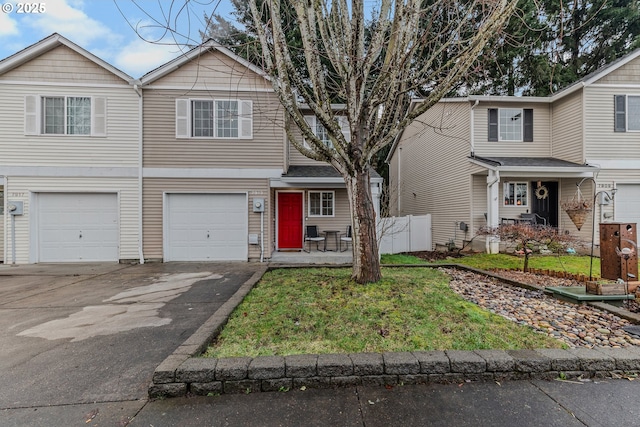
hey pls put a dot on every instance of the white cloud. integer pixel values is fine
(8, 27)
(139, 57)
(70, 21)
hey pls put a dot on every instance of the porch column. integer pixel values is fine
(492, 243)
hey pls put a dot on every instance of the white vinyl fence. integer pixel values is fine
(404, 234)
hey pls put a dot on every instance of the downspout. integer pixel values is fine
(4, 222)
(139, 93)
(473, 132)
(399, 213)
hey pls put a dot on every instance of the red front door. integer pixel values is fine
(289, 220)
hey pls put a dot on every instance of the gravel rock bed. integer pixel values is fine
(576, 325)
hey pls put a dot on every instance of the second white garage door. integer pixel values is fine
(627, 203)
(206, 227)
(78, 227)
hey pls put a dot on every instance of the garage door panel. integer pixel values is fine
(627, 203)
(206, 227)
(78, 227)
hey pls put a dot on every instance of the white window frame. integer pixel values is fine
(507, 191)
(628, 114)
(185, 117)
(317, 127)
(322, 214)
(502, 121)
(34, 120)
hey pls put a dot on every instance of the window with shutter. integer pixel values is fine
(510, 124)
(528, 125)
(493, 124)
(214, 118)
(65, 115)
(620, 119)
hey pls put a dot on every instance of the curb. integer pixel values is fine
(182, 373)
(204, 376)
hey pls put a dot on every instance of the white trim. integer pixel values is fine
(277, 218)
(204, 48)
(67, 84)
(70, 171)
(320, 215)
(619, 164)
(207, 88)
(210, 173)
(50, 43)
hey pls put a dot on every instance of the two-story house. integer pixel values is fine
(220, 179)
(69, 156)
(484, 160)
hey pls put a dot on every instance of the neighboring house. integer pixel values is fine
(70, 152)
(214, 147)
(485, 160)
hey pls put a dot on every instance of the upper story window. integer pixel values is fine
(214, 118)
(322, 134)
(626, 113)
(65, 115)
(515, 193)
(321, 203)
(510, 124)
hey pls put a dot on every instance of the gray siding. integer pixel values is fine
(541, 145)
(626, 74)
(567, 128)
(601, 142)
(432, 158)
(153, 189)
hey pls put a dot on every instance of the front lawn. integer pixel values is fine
(570, 263)
(320, 310)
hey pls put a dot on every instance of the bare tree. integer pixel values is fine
(410, 48)
(527, 236)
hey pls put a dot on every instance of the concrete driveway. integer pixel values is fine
(80, 342)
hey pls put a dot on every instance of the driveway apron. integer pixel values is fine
(78, 334)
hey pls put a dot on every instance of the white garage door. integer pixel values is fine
(79, 227)
(206, 227)
(627, 203)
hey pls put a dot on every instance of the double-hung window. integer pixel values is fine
(65, 115)
(214, 118)
(321, 132)
(626, 113)
(515, 193)
(510, 124)
(321, 203)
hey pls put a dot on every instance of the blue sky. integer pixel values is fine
(99, 27)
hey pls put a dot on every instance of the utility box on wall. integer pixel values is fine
(618, 235)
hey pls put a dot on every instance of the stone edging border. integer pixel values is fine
(180, 373)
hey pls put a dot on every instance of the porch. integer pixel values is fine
(313, 257)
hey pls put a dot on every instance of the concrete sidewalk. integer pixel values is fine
(513, 403)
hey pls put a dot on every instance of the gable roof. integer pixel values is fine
(49, 43)
(208, 45)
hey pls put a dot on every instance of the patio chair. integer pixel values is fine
(533, 218)
(346, 238)
(311, 235)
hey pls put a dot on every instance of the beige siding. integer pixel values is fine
(162, 149)
(567, 128)
(118, 149)
(21, 189)
(567, 189)
(479, 200)
(64, 65)
(2, 237)
(214, 70)
(627, 73)
(153, 209)
(540, 147)
(435, 169)
(601, 142)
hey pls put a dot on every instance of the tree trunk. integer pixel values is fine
(525, 268)
(366, 259)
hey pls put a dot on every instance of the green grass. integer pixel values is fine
(316, 310)
(570, 263)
